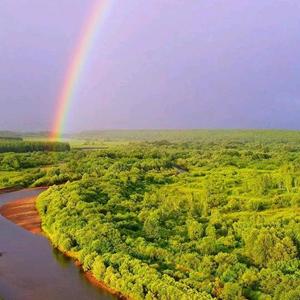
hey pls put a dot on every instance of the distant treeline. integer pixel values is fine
(10, 138)
(30, 146)
(9, 135)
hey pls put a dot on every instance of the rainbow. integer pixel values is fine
(78, 61)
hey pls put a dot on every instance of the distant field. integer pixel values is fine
(110, 138)
(85, 143)
(187, 135)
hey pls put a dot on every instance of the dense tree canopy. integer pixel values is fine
(199, 220)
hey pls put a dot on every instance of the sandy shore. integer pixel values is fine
(23, 213)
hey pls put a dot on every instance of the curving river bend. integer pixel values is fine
(31, 269)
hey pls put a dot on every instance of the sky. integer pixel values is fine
(154, 64)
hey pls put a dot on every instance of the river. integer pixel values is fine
(31, 269)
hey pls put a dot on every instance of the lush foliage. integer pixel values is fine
(34, 169)
(216, 217)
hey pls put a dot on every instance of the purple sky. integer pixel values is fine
(155, 64)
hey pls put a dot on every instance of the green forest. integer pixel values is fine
(174, 215)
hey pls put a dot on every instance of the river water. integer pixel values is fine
(31, 269)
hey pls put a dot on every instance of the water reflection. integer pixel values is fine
(62, 260)
(30, 269)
